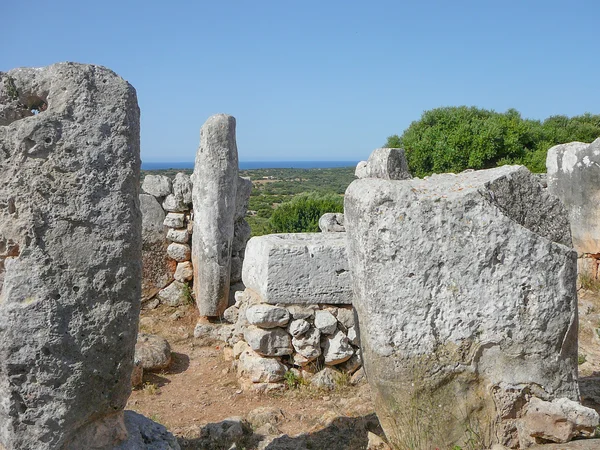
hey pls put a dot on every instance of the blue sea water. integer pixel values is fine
(257, 165)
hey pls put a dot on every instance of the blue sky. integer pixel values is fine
(316, 80)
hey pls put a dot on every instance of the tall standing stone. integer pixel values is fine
(464, 287)
(574, 177)
(214, 195)
(70, 252)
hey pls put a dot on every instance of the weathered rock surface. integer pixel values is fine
(464, 286)
(157, 267)
(70, 253)
(180, 236)
(175, 294)
(304, 268)
(214, 196)
(259, 369)
(325, 322)
(298, 327)
(153, 351)
(385, 163)
(244, 189)
(574, 177)
(137, 375)
(184, 271)
(337, 349)
(182, 189)
(144, 433)
(273, 342)
(332, 223)
(558, 421)
(174, 220)
(267, 316)
(308, 345)
(179, 252)
(157, 185)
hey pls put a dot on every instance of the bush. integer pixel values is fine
(452, 139)
(302, 213)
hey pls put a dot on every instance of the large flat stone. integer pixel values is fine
(302, 268)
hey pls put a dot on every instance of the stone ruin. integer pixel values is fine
(70, 252)
(464, 287)
(574, 177)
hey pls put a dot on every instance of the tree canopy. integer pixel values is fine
(302, 213)
(452, 139)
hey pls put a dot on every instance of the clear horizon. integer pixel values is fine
(317, 80)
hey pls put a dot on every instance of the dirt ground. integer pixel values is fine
(200, 387)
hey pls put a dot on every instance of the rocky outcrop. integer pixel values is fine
(70, 252)
(298, 268)
(574, 177)
(332, 223)
(214, 193)
(465, 293)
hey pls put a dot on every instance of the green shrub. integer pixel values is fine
(302, 213)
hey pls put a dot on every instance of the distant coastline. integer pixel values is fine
(244, 165)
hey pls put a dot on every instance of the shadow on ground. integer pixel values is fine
(342, 433)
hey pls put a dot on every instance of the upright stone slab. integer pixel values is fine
(574, 177)
(298, 268)
(214, 192)
(386, 163)
(70, 252)
(464, 286)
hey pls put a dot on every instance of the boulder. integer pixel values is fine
(301, 268)
(385, 163)
(180, 236)
(308, 345)
(184, 271)
(465, 294)
(214, 189)
(574, 177)
(325, 322)
(157, 185)
(157, 267)
(174, 220)
(297, 327)
(172, 203)
(337, 349)
(558, 421)
(267, 316)
(153, 351)
(345, 316)
(326, 378)
(332, 223)
(175, 294)
(182, 189)
(143, 433)
(259, 369)
(273, 342)
(70, 255)
(179, 252)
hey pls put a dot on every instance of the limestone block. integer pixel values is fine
(574, 177)
(332, 223)
(174, 220)
(337, 348)
(298, 327)
(345, 316)
(153, 351)
(157, 267)
(273, 342)
(302, 268)
(175, 294)
(464, 286)
(172, 203)
(182, 189)
(385, 163)
(267, 316)
(215, 190)
(70, 254)
(361, 170)
(180, 236)
(157, 185)
(179, 252)
(259, 369)
(325, 322)
(308, 344)
(184, 271)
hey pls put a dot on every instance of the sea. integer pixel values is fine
(243, 165)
